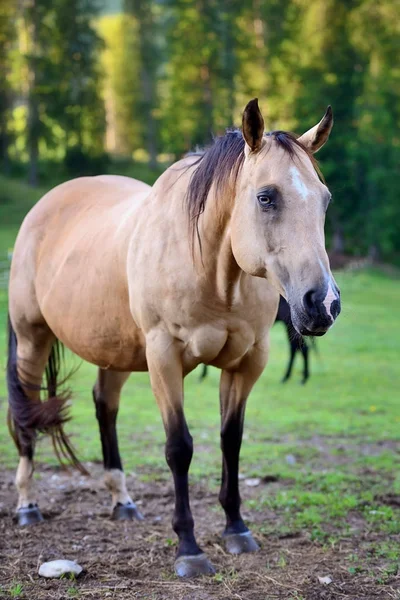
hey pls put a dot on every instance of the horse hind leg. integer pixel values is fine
(106, 396)
(24, 377)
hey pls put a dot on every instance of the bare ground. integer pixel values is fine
(135, 560)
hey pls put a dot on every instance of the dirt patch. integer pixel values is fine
(135, 560)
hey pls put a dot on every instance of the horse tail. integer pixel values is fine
(27, 417)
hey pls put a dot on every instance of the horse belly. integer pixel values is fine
(90, 315)
(108, 341)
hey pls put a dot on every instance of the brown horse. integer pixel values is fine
(133, 278)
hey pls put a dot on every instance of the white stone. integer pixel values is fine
(57, 568)
(325, 580)
(253, 482)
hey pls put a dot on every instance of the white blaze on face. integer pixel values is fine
(298, 183)
(329, 298)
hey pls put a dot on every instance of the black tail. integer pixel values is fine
(27, 417)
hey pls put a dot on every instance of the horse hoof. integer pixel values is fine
(126, 512)
(193, 566)
(29, 515)
(237, 543)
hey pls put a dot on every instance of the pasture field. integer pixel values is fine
(325, 459)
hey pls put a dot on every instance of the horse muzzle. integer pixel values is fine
(319, 309)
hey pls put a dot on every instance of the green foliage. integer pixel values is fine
(120, 61)
(168, 74)
(59, 79)
(7, 37)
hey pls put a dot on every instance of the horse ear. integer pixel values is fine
(253, 125)
(315, 138)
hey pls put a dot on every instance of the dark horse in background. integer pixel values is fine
(297, 343)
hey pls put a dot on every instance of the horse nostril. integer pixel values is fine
(335, 308)
(309, 300)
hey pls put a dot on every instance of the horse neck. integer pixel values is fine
(216, 260)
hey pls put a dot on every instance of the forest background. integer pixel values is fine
(129, 86)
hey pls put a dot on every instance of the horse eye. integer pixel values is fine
(265, 200)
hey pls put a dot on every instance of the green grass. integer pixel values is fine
(342, 428)
(16, 590)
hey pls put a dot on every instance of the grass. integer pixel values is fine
(16, 590)
(341, 430)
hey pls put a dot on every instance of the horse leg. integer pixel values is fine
(304, 351)
(34, 346)
(235, 386)
(292, 337)
(203, 373)
(106, 396)
(166, 376)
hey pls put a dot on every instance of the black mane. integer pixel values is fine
(221, 162)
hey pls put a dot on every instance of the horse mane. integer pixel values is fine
(220, 165)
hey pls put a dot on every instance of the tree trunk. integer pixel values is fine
(142, 11)
(149, 101)
(229, 34)
(4, 140)
(33, 123)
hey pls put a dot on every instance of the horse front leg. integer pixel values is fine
(106, 396)
(166, 376)
(235, 386)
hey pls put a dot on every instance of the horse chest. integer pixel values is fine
(221, 347)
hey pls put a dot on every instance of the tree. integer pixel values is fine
(63, 77)
(76, 104)
(200, 88)
(376, 35)
(7, 38)
(121, 62)
(144, 11)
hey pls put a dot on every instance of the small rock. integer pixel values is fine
(57, 568)
(253, 482)
(290, 459)
(325, 580)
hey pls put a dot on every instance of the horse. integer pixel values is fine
(132, 278)
(297, 343)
